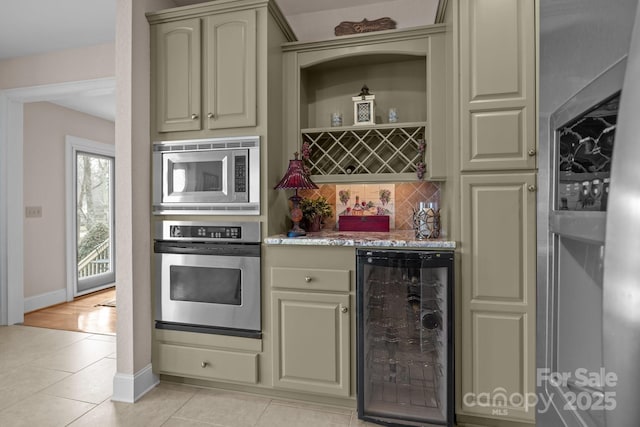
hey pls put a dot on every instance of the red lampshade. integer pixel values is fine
(296, 177)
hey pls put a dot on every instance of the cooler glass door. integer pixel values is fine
(405, 350)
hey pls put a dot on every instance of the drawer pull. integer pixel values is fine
(344, 309)
(204, 364)
(308, 279)
(211, 115)
(531, 152)
(194, 116)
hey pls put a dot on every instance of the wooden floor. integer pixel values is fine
(84, 314)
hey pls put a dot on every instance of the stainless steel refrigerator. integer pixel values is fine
(588, 305)
(405, 337)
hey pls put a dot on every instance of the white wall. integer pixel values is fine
(87, 63)
(133, 198)
(320, 25)
(45, 128)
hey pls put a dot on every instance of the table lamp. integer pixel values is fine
(296, 178)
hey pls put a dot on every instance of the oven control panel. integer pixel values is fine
(205, 231)
(208, 231)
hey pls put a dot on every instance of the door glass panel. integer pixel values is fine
(206, 284)
(94, 219)
(197, 176)
(585, 147)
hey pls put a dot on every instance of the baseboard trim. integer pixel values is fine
(129, 388)
(45, 300)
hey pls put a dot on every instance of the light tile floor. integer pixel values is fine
(51, 378)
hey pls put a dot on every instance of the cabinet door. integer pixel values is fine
(178, 75)
(498, 294)
(497, 84)
(231, 70)
(311, 342)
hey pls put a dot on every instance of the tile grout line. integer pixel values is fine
(180, 407)
(82, 415)
(263, 412)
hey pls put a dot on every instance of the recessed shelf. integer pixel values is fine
(404, 70)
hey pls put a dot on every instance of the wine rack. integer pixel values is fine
(381, 152)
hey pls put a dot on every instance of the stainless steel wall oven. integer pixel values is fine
(208, 277)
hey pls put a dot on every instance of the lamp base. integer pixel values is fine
(296, 217)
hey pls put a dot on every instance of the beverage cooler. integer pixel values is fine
(405, 337)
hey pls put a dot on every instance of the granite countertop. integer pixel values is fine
(395, 239)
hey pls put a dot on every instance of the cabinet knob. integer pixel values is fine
(204, 364)
(344, 309)
(532, 188)
(211, 115)
(194, 116)
(531, 152)
(307, 279)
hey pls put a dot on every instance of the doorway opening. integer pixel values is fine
(13, 303)
(90, 222)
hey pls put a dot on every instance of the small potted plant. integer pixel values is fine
(314, 211)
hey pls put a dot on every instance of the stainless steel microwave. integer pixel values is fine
(217, 176)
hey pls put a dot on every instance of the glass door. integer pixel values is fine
(94, 221)
(90, 202)
(404, 337)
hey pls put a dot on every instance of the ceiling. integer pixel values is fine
(33, 27)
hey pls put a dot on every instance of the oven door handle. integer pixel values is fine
(216, 249)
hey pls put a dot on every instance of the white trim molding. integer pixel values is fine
(11, 216)
(4, 107)
(129, 388)
(45, 300)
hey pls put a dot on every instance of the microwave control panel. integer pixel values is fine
(240, 176)
(206, 231)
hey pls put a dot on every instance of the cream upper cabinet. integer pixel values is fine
(497, 84)
(498, 296)
(212, 55)
(177, 83)
(230, 71)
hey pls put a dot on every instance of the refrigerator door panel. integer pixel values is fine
(579, 225)
(570, 317)
(579, 310)
(621, 264)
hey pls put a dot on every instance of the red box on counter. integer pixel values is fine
(363, 223)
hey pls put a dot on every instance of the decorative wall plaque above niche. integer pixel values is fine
(349, 27)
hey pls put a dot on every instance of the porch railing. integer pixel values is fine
(96, 262)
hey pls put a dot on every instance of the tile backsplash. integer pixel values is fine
(394, 199)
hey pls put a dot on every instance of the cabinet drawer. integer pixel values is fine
(315, 279)
(208, 364)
